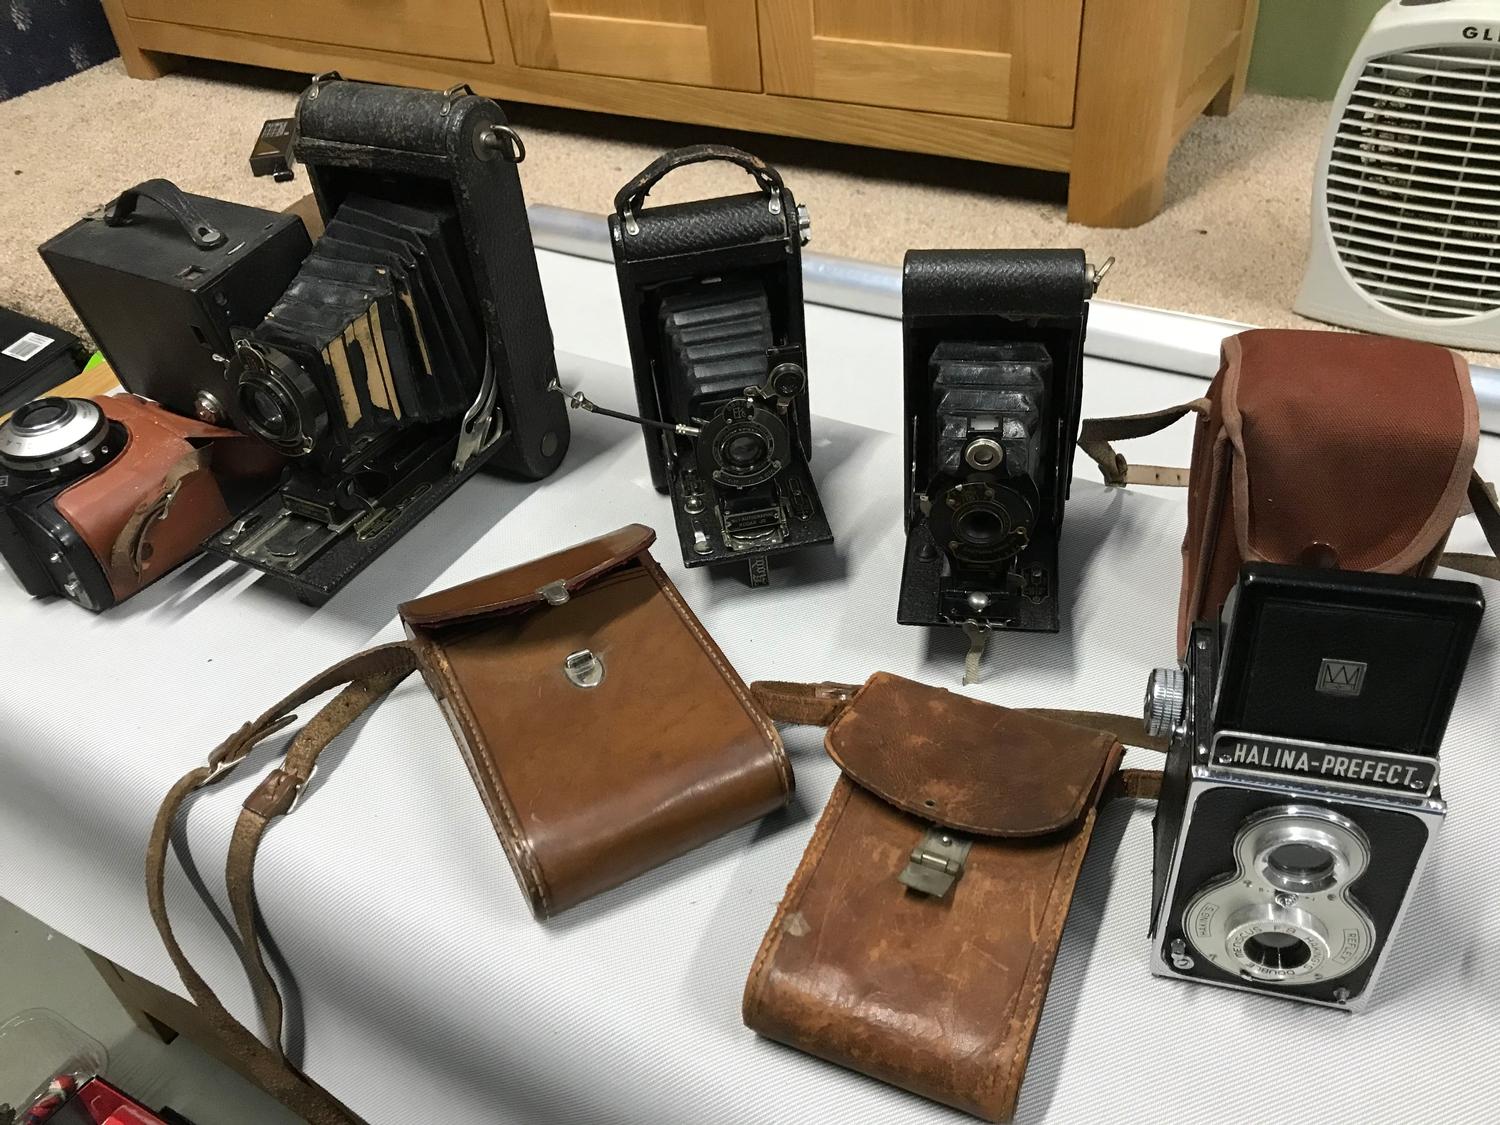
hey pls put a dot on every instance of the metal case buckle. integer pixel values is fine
(936, 863)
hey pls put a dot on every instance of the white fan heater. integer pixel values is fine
(1406, 206)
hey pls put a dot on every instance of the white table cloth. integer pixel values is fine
(425, 983)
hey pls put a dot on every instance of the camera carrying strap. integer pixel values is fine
(365, 679)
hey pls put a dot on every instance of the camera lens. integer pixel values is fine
(48, 434)
(745, 450)
(1301, 861)
(278, 400)
(263, 408)
(981, 527)
(1272, 950)
(46, 412)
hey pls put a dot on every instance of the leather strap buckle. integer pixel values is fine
(278, 793)
(234, 749)
(936, 863)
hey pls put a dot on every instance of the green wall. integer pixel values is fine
(1303, 46)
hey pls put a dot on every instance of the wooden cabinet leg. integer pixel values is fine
(1229, 97)
(1123, 117)
(138, 63)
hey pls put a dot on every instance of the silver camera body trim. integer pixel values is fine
(1203, 778)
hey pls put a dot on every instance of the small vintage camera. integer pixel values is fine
(712, 294)
(1300, 797)
(100, 497)
(994, 365)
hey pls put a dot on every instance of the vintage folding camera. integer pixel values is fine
(100, 497)
(411, 347)
(1300, 798)
(712, 294)
(402, 351)
(993, 388)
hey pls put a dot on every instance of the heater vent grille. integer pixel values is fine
(1413, 185)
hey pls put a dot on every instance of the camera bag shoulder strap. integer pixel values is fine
(820, 704)
(1096, 435)
(368, 676)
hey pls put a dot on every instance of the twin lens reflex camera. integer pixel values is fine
(1300, 796)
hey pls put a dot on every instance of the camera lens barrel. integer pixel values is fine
(278, 400)
(48, 435)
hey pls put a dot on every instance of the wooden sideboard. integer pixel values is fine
(1100, 89)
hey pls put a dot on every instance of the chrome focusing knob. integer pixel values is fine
(804, 224)
(1166, 699)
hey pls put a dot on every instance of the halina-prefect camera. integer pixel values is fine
(1300, 797)
(712, 294)
(994, 385)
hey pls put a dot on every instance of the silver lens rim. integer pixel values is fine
(1323, 830)
(74, 435)
(1267, 918)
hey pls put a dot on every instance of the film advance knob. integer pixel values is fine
(1166, 694)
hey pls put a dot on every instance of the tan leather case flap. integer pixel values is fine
(522, 586)
(589, 786)
(966, 764)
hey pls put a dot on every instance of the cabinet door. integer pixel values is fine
(1012, 60)
(694, 42)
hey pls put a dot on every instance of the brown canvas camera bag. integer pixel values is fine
(1321, 449)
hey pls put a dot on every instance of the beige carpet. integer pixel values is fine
(1230, 242)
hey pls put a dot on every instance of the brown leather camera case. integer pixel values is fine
(604, 728)
(165, 494)
(937, 991)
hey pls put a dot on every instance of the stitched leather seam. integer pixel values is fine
(816, 849)
(1039, 968)
(509, 822)
(768, 732)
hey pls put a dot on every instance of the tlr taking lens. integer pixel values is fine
(1277, 950)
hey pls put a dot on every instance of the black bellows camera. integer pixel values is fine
(712, 294)
(407, 349)
(1300, 796)
(993, 378)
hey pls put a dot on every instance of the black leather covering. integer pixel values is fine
(1012, 283)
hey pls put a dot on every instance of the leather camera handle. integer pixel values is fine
(169, 197)
(368, 676)
(629, 198)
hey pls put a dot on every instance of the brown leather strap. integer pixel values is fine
(813, 705)
(1486, 508)
(369, 675)
(1095, 435)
